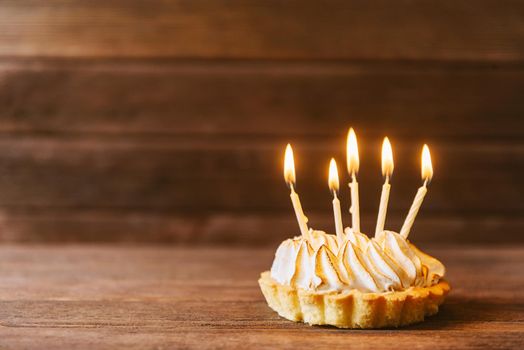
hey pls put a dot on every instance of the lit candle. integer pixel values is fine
(387, 171)
(333, 186)
(289, 176)
(353, 164)
(427, 174)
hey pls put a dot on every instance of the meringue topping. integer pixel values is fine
(384, 263)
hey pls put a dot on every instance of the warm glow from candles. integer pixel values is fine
(352, 153)
(387, 158)
(289, 166)
(427, 167)
(333, 176)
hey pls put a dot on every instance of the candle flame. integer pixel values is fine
(352, 152)
(333, 176)
(427, 167)
(289, 166)
(387, 158)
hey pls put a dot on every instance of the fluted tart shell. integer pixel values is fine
(353, 309)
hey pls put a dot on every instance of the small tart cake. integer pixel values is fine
(357, 282)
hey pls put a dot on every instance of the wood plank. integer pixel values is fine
(238, 229)
(296, 99)
(135, 297)
(256, 338)
(485, 30)
(188, 174)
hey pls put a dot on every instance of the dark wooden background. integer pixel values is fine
(166, 121)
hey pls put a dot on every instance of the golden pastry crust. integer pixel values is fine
(353, 309)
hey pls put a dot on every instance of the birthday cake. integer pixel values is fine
(349, 280)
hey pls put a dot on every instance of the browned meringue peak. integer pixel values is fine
(326, 268)
(352, 268)
(358, 239)
(384, 263)
(303, 276)
(295, 258)
(318, 238)
(434, 268)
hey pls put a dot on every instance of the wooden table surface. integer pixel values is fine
(65, 297)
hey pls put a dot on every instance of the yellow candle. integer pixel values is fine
(387, 171)
(289, 176)
(334, 186)
(352, 165)
(427, 174)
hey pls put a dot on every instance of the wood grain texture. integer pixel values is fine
(96, 296)
(484, 30)
(411, 101)
(165, 121)
(231, 192)
(250, 228)
(226, 174)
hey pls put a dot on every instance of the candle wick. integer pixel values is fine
(387, 179)
(353, 177)
(426, 182)
(292, 187)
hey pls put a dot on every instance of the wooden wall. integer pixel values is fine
(166, 121)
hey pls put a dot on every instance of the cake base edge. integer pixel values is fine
(353, 309)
